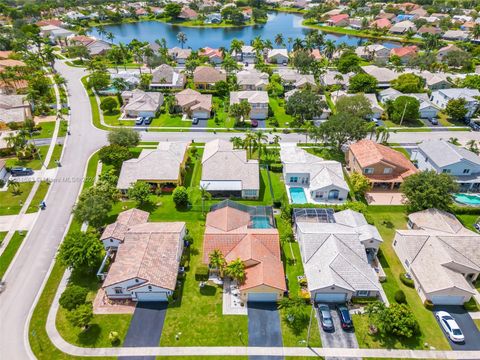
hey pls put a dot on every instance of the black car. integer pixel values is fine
(147, 120)
(21, 171)
(195, 121)
(325, 317)
(345, 319)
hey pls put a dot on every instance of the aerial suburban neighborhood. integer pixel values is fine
(274, 179)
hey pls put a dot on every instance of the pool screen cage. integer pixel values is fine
(255, 212)
(317, 215)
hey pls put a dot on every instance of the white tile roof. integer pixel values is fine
(442, 153)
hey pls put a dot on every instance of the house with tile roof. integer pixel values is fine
(187, 14)
(383, 166)
(383, 75)
(252, 79)
(178, 54)
(442, 52)
(338, 252)
(441, 256)
(381, 23)
(258, 101)
(114, 234)
(140, 103)
(446, 158)
(248, 233)
(373, 51)
(277, 56)
(205, 77)
(14, 108)
(403, 27)
(226, 172)
(339, 20)
(292, 78)
(160, 166)
(405, 53)
(146, 264)
(193, 104)
(215, 56)
(166, 77)
(321, 180)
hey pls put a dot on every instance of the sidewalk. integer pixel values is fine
(11, 223)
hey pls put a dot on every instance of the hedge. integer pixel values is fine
(278, 168)
(406, 281)
(201, 273)
(400, 297)
(364, 300)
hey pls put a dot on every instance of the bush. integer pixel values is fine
(2, 183)
(364, 300)
(114, 155)
(201, 273)
(400, 297)
(114, 338)
(471, 305)
(73, 297)
(406, 281)
(428, 305)
(180, 197)
(278, 168)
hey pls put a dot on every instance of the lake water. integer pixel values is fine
(289, 25)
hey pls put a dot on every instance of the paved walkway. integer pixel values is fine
(11, 223)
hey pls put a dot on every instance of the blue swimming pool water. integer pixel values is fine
(297, 195)
(467, 199)
(261, 222)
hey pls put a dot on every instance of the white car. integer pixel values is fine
(450, 326)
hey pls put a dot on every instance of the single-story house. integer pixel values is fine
(403, 27)
(146, 265)
(339, 20)
(405, 53)
(247, 55)
(132, 79)
(455, 35)
(277, 56)
(98, 47)
(427, 109)
(321, 181)
(205, 77)
(382, 165)
(441, 256)
(381, 23)
(444, 157)
(14, 108)
(187, 14)
(333, 77)
(377, 110)
(428, 29)
(248, 233)
(292, 78)
(338, 252)
(215, 56)
(194, 104)
(140, 103)
(434, 81)
(162, 165)
(166, 77)
(213, 18)
(383, 75)
(179, 55)
(114, 234)
(226, 172)
(252, 79)
(373, 51)
(443, 96)
(442, 52)
(258, 101)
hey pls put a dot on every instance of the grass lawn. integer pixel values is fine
(57, 153)
(2, 235)
(403, 151)
(170, 120)
(221, 118)
(10, 251)
(10, 204)
(468, 220)
(48, 127)
(38, 160)
(39, 196)
(387, 219)
(327, 154)
(278, 108)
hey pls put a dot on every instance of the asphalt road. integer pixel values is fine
(27, 272)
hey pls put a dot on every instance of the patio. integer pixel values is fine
(232, 304)
(382, 197)
(102, 305)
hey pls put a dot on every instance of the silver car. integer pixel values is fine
(325, 317)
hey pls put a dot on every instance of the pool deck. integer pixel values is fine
(310, 200)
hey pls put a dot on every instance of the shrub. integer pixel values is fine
(428, 305)
(73, 297)
(180, 197)
(2, 183)
(471, 305)
(278, 168)
(406, 281)
(114, 338)
(400, 297)
(364, 300)
(201, 273)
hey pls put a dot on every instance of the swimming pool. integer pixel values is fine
(467, 199)
(297, 195)
(261, 222)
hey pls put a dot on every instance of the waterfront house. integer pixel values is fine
(455, 35)
(403, 27)
(258, 101)
(205, 77)
(140, 103)
(213, 18)
(194, 104)
(187, 14)
(215, 56)
(277, 56)
(441, 98)
(381, 23)
(338, 20)
(247, 55)
(166, 77)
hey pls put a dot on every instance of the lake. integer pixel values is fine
(287, 24)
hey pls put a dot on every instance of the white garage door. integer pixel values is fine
(151, 296)
(270, 297)
(447, 300)
(330, 297)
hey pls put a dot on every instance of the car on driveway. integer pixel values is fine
(139, 121)
(21, 171)
(325, 317)
(450, 326)
(433, 121)
(147, 120)
(195, 121)
(345, 319)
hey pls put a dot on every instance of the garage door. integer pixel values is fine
(447, 300)
(331, 297)
(151, 296)
(264, 297)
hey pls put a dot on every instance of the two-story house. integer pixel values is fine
(443, 96)
(258, 101)
(444, 157)
(252, 79)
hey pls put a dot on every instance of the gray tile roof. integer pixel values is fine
(442, 153)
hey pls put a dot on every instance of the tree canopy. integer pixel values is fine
(305, 105)
(409, 84)
(397, 319)
(114, 155)
(362, 83)
(124, 137)
(81, 251)
(348, 61)
(342, 128)
(456, 109)
(356, 105)
(403, 109)
(73, 296)
(93, 207)
(140, 192)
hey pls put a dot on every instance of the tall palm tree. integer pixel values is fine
(110, 37)
(101, 31)
(330, 48)
(279, 40)
(298, 44)
(267, 44)
(472, 146)
(205, 195)
(182, 38)
(237, 142)
(260, 139)
(454, 141)
(249, 142)
(229, 64)
(217, 260)
(236, 270)
(257, 44)
(236, 47)
(125, 52)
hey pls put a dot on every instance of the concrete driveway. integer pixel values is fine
(146, 327)
(467, 325)
(337, 338)
(264, 327)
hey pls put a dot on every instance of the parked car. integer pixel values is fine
(147, 120)
(139, 121)
(434, 121)
(325, 317)
(477, 226)
(195, 121)
(345, 319)
(285, 63)
(474, 126)
(21, 171)
(450, 326)
(254, 123)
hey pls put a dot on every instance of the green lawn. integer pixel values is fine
(278, 108)
(2, 235)
(327, 154)
(403, 151)
(10, 204)
(387, 219)
(170, 120)
(221, 118)
(468, 220)
(10, 251)
(48, 127)
(37, 162)
(39, 196)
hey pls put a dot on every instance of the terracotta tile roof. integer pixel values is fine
(210, 52)
(11, 63)
(4, 54)
(125, 220)
(381, 23)
(404, 51)
(54, 22)
(269, 272)
(368, 153)
(227, 219)
(208, 74)
(85, 40)
(337, 18)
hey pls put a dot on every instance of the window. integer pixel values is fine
(407, 263)
(446, 171)
(368, 171)
(250, 192)
(150, 287)
(118, 290)
(362, 293)
(387, 170)
(293, 179)
(136, 280)
(466, 171)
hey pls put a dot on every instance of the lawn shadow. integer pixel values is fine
(90, 336)
(396, 342)
(178, 293)
(208, 290)
(382, 259)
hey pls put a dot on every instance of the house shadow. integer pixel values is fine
(208, 290)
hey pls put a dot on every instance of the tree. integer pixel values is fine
(81, 251)
(114, 155)
(409, 83)
(217, 260)
(472, 81)
(427, 189)
(360, 184)
(240, 111)
(93, 207)
(145, 81)
(397, 319)
(456, 109)
(364, 83)
(356, 105)
(81, 316)
(124, 137)
(73, 296)
(140, 192)
(294, 313)
(341, 129)
(99, 80)
(236, 270)
(172, 10)
(473, 147)
(108, 104)
(221, 88)
(182, 38)
(180, 197)
(303, 60)
(305, 105)
(403, 108)
(348, 62)
(458, 59)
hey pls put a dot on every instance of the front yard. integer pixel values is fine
(279, 115)
(38, 159)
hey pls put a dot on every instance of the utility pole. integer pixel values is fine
(404, 110)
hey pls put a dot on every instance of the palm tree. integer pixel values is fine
(472, 146)
(110, 37)
(124, 51)
(205, 196)
(148, 53)
(338, 79)
(260, 138)
(289, 41)
(476, 31)
(257, 44)
(249, 142)
(267, 44)
(236, 270)
(101, 31)
(298, 44)
(330, 48)
(229, 64)
(14, 186)
(236, 46)
(182, 38)
(217, 260)
(454, 141)
(237, 142)
(279, 40)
